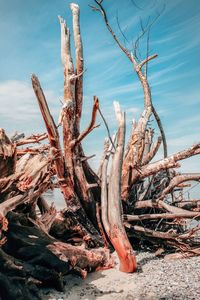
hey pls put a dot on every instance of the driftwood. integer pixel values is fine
(135, 203)
(111, 202)
(7, 155)
(40, 259)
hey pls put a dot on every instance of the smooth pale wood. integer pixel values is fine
(162, 205)
(105, 150)
(83, 171)
(166, 163)
(79, 61)
(104, 188)
(177, 180)
(117, 233)
(66, 58)
(150, 232)
(149, 134)
(69, 106)
(188, 215)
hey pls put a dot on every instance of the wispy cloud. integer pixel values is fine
(174, 75)
(19, 108)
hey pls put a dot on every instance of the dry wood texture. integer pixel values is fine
(136, 202)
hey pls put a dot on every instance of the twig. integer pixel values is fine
(101, 9)
(105, 123)
(34, 138)
(91, 125)
(145, 61)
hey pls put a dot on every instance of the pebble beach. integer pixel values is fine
(156, 279)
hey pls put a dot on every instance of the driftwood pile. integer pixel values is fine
(123, 207)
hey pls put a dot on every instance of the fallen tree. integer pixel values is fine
(129, 209)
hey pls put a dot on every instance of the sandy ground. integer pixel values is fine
(155, 279)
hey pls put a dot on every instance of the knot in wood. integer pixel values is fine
(68, 105)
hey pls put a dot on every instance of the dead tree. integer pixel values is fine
(129, 208)
(146, 185)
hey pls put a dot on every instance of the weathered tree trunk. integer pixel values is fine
(111, 202)
(145, 185)
(38, 247)
(71, 114)
(74, 207)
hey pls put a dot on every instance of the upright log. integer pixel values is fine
(79, 62)
(85, 182)
(112, 214)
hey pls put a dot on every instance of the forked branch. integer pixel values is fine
(91, 125)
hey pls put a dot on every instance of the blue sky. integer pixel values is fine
(30, 43)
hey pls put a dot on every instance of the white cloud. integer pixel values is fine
(19, 108)
(133, 110)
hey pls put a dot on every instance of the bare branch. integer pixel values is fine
(73, 77)
(34, 138)
(146, 60)
(158, 120)
(106, 125)
(121, 31)
(91, 125)
(101, 9)
(188, 215)
(168, 162)
(177, 180)
(34, 150)
(152, 152)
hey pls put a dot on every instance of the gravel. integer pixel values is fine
(155, 279)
